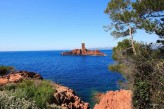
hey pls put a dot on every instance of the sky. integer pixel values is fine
(56, 25)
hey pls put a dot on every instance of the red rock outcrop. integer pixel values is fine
(76, 52)
(84, 51)
(115, 100)
(18, 76)
(67, 99)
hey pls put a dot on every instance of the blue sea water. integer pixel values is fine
(84, 74)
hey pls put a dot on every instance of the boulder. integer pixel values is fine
(67, 98)
(121, 99)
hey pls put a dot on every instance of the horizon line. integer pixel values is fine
(100, 48)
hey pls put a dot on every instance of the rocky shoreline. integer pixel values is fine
(66, 98)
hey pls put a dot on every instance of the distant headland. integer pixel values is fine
(83, 51)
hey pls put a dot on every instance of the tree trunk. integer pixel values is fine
(131, 37)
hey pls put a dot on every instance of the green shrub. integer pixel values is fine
(117, 67)
(123, 47)
(8, 101)
(9, 87)
(5, 69)
(40, 91)
(142, 95)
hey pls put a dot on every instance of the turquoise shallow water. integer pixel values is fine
(84, 74)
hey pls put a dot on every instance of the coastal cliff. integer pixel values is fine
(84, 51)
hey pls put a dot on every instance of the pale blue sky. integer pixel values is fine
(56, 24)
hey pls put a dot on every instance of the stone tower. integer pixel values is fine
(83, 49)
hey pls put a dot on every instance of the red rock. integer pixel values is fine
(3, 81)
(69, 99)
(76, 52)
(14, 78)
(18, 76)
(115, 100)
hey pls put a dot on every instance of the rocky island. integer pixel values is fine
(83, 51)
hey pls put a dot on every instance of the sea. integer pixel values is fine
(86, 75)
